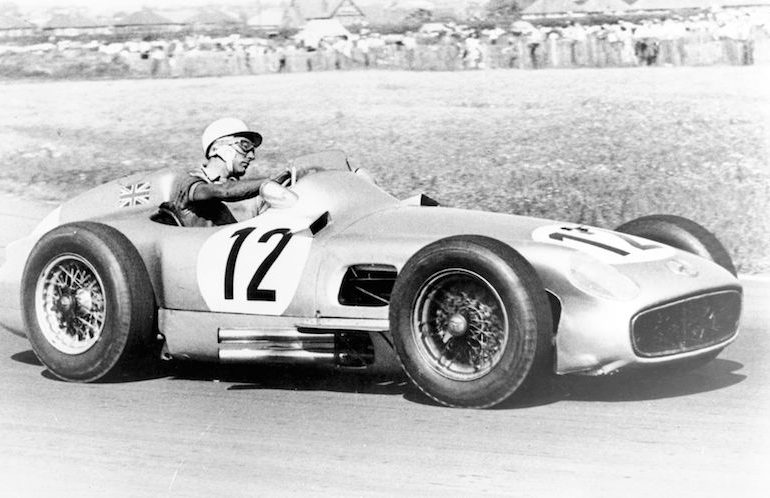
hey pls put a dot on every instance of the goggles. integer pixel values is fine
(243, 144)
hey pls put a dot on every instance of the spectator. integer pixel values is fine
(410, 47)
(157, 59)
(647, 46)
(535, 39)
(362, 45)
(343, 52)
(577, 37)
(511, 52)
(280, 52)
(472, 56)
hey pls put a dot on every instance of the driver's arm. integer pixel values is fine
(229, 191)
(233, 191)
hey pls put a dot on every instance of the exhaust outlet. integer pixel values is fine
(335, 348)
(276, 345)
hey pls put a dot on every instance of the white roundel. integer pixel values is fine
(254, 267)
(604, 245)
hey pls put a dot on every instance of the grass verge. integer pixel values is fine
(592, 146)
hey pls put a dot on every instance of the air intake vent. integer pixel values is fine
(686, 325)
(367, 285)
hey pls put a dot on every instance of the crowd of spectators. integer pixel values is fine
(726, 37)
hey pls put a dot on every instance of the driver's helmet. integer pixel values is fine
(226, 127)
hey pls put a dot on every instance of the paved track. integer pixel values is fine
(202, 430)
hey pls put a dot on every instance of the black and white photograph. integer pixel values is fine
(385, 248)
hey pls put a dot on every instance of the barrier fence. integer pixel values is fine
(518, 54)
(512, 53)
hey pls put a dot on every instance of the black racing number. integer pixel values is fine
(638, 245)
(253, 292)
(240, 238)
(561, 236)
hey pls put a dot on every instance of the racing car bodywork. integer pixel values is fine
(472, 304)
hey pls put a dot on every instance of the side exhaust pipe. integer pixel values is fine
(282, 345)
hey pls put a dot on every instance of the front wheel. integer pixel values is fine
(470, 321)
(88, 302)
(680, 233)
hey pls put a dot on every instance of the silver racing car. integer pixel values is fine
(334, 270)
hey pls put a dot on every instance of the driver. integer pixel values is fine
(198, 197)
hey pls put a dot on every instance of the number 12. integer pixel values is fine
(253, 292)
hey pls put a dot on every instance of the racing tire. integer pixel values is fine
(471, 322)
(680, 233)
(89, 306)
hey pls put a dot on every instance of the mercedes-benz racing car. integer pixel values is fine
(474, 306)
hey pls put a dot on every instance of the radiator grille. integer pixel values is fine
(686, 325)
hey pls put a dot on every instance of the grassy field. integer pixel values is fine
(593, 146)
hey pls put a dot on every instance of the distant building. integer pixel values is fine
(70, 25)
(270, 19)
(145, 21)
(403, 9)
(550, 8)
(345, 11)
(601, 7)
(14, 27)
(680, 5)
(211, 18)
(348, 13)
(669, 5)
(576, 8)
(321, 29)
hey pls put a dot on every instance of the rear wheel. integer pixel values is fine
(88, 303)
(470, 321)
(681, 233)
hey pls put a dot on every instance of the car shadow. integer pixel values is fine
(27, 357)
(290, 377)
(630, 386)
(247, 377)
(652, 385)
(140, 371)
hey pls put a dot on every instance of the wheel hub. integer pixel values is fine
(457, 325)
(65, 304)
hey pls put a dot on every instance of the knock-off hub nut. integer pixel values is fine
(457, 325)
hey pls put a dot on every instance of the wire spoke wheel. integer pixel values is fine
(89, 305)
(470, 321)
(70, 304)
(460, 324)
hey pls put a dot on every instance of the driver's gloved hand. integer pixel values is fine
(282, 177)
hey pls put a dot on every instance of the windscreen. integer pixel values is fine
(327, 159)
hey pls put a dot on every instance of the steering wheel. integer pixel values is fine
(292, 174)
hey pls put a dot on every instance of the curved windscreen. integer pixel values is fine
(326, 160)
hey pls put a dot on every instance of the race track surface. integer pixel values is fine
(208, 430)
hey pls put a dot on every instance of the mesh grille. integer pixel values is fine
(686, 325)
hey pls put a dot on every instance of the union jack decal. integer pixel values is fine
(134, 195)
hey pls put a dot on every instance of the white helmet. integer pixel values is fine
(226, 127)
